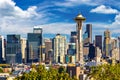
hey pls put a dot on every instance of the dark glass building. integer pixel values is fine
(98, 41)
(88, 35)
(73, 37)
(13, 48)
(91, 54)
(34, 45)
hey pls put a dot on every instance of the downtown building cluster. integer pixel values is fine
(79, 50)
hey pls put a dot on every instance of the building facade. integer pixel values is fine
(13, 49)
(23, 49)
(2, 49)
(88, 35)
(98, 41)
(48, 49)
(107, 45)
(59, 48)
(34, 45)
(98, 54)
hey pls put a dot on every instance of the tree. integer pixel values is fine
(105, 72)
(41, 73)
(1, 70)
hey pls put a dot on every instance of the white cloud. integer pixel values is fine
(54, 28)
(104, 10)
(71, 3)
(115, 26)
(8, 8)
(15, 20)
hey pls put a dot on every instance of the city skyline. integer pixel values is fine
(58, 16)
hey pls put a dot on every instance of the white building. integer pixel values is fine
(98, 54)
(2, 48)
(23, 48)
(60, 48)
(115, 54)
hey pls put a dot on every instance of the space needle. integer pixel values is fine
(79, 43)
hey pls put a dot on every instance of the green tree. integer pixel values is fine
(41, 73)
(105, 72)
(1, 70)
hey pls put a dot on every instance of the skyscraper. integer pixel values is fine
(13, 53)
(48, 49)
(98, 41)
(79, 44)
(2, 49)
(37, 29)
(73, 37)
(91, 54)
(98, 54)
(88, 35)
(34, 45)
(23, 49)
(60, 48)
(107, 45)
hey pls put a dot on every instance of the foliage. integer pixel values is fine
(105, 72)
(1, 70)
(41, 73)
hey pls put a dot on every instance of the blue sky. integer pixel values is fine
(57, 16)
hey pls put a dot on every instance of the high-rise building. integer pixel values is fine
(73, 37)
(98, 54)
(79, 43)
(115, 54)
(113, 43)
(87, 40)
(23, 49)
(48, 49)
(13, 51)
(89, 31)
(107, 45)
(2, 49)
(98, 41)
(60, 48)
(34, 45)
(71, 49)
(87, 36)
(91, 54)
(37, 29)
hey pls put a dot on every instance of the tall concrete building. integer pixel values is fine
(107, 45)
(98, 41)
(115, 54)
(34, 45)
(113, 42)
(2, 49)
(13, 49)
(48, 49)
(79, 43)
(59, 48)
(98, 54)
(23, 49)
